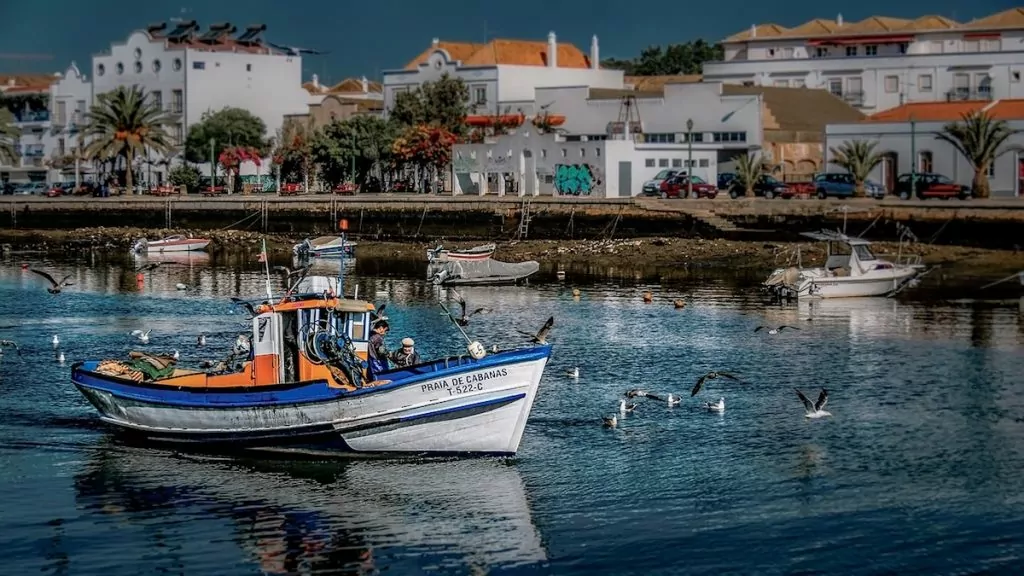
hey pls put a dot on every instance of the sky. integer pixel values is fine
(365, 37)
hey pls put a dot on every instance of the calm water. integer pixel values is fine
(920, 471)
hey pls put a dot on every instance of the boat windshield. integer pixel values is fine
(863, 253)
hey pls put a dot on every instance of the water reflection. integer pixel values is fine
(358, 516)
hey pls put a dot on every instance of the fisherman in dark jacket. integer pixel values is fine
(407, 355)
(377, 351)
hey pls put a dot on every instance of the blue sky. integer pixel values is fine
(366, 37)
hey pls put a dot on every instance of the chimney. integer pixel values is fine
(552, 50)
(753, 30)
(595, 53)
(366, 85)
(839, 20)
(435, 42)
(316, 81)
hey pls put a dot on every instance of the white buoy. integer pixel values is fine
(56, 341)
(181, 286)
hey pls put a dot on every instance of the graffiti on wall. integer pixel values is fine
(578, 180)
(261, 183)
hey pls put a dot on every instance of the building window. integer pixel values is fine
(60, 146)
(892, 84)
(177, 64)
(199, 65)
(177, 101)
(177, 135)
(119, 68)
(479, 94)
(693, 137)
(157, 66)
(101, 69)
(61, 113)
(821, 52)
(583, 152)
(662, 162)
(771, 52)
(704, 162)
(970, 45)
(1015, 76)
(835, 86)
(851, 50)
(904, 47)
(663, 138)
(730, 136)
(574, 138)
(991, 173)
(991, 45)
(799, 83)
(597, 152)
(157, 98)
(924, 83)
(565, 153)
(677, 162)
(787, 53)
(690, 163)
(137, 53)
(781, 83)
(649, 162)
(138, 67)
(871, 50)
(924, 162)
(248, 67)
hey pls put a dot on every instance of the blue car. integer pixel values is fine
(840, 185)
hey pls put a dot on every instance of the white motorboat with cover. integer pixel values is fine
(851, 270)
(176, 243)
(475, 254)
(483, 272)
(325, 247)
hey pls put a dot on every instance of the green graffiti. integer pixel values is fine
(575, 179)
(261, 183)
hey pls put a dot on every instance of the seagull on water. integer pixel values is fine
(60, 358)
(817, 409)
(181, 286)
(610, 421)
(716, 407)
(176, 355)
(636, 393)
(711, 376)
(671, 399)
(9, 344)
(574, 373)
(774, 330)
(541, 337)
(55, 287)
(626, 408)
(142, 336)
(55, 341)
(201, 340)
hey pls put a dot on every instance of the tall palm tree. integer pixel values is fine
(978, 138)
(8, 134)
(748, 169)
(858, 157)
(125, 123)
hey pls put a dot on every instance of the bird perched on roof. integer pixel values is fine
(541, 336)
(55, 287)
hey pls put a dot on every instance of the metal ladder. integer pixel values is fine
(524, 222)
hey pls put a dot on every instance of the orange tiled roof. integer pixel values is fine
(507, 52)
(1012, 18)
(26, 83)
(355, 85)
(655, 83)
(878, 25)
(929, 111)
(314, 88)
(762, 31)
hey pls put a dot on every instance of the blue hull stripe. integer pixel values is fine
(290, 394)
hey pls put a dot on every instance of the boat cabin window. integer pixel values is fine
(838, 256)
(358, 326)
(863, 253)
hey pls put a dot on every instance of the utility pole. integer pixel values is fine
(689, 157)
(913, 157)
(213, 165)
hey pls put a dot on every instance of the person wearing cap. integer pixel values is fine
(407, 356)
(377, 351)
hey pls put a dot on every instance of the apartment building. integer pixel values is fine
(27, 97)
(882, 62)
(503, 74)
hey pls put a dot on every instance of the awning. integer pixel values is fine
(860, 40)
(982, 36)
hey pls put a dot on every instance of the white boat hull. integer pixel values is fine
(192, 246)
(879, 283)
(477, 411)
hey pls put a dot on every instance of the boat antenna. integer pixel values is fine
(343, 225)
(266, 267)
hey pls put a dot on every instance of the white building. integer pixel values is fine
(191, 72)
(881, 62)
(70, 99)
(28, 98)
(503, 74)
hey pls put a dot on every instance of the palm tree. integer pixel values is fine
(748, 169)
(859, 158)
(8, 135)
(125, 123)
(978, 138)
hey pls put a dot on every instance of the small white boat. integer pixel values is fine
(325, 247)
(176, 243)
(851, 270)
(475, 254)
(481, 273)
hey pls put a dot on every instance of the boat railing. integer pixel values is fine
(903, 259)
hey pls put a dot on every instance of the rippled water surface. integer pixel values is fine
(921, 470)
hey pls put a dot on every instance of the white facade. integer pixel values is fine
(494, 88)
(589, 156)
(34, 126)
(879, 71)
(70, 99)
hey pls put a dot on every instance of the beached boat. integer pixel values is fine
(851, 270)
(478, 253)
(325, 247)
(176, 243)
(481, 273)
(302, 383)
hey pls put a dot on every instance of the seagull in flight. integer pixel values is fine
(378, 315)
(55, 287)
(541, 337)
(142, 336)
(711, 376)
(292, 277)
(464, 319)
(9, 344)
(817, 409)
(774, 330)
(248, 306)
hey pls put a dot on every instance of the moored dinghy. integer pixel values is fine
(475, 254)
(325, 247)
(176, 243)
(303, 384)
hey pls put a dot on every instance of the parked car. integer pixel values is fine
(31, 188)
(725, 180)
(653, 186)
(766, 186)
(930, 186)
(841, 185)
(7, 188)
(677, 187)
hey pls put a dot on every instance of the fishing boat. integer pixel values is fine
(302, 383)
(851, 270)
(325, 247)
(176, 243)
(481, 273)
(475, 254)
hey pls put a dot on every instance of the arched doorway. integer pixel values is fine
(890, 169)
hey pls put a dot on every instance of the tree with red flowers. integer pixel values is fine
(425, 147)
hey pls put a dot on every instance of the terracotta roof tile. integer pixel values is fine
(652, 83)
(457, 50)
(1012, 18)
(355, 85)
(928, 111)
(870, 25)
(506, 52)
(26, 83)
(875, 25)
(314, 88)
(762, 31)
(930, 23)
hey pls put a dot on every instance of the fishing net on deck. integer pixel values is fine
(142, 367)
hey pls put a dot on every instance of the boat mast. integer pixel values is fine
(343, 225)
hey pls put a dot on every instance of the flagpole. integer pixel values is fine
(266, 267)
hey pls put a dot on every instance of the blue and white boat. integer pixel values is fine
(302, 384)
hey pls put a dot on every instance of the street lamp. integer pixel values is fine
(913, 157)
(689, 157)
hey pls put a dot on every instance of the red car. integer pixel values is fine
(677, 187)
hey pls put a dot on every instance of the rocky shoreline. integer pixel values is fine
(667, 253)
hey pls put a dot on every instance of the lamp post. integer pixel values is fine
(913, 157)
(689, 157)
